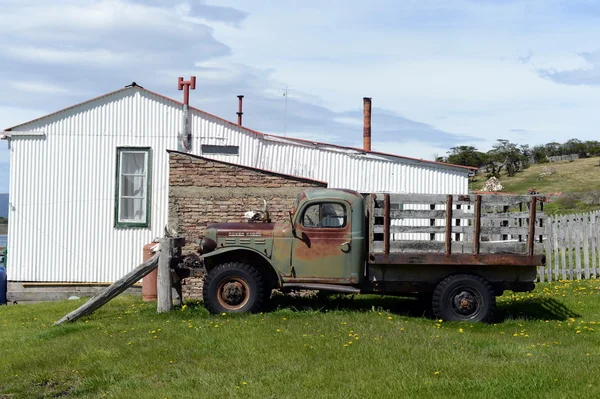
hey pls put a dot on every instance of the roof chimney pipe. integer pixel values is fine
(367, 123)
(240, 113)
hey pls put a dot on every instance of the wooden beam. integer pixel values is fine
(448, 235)
(477, 225)
(530, 238)
(112, 291)
(386, 225)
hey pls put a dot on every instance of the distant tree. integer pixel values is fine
(466, 156)
(525, 156)
(554, 149)
(592, 148)
(575, 146)
(539, 154)
(505, 155)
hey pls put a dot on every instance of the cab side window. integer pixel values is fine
(327, 215)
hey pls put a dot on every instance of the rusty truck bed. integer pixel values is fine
(467, 230)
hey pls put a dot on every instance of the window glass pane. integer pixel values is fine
(133, 163)
(133, 209)
(220, 149)
(132, 186)
(311, 216)
(333, 215)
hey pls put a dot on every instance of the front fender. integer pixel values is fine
(231, 250)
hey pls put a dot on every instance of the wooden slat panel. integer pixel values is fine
(485, 230)
(511, 230)
(508, 215)
(411, 229)
(497, 247)
(419, 246)
(487, 200)
(424, 214)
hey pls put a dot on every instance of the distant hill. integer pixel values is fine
(579, 176)
(3, 205)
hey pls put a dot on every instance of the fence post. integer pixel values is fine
(585, 232)
(549, 248)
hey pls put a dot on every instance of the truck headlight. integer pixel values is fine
(207, 245)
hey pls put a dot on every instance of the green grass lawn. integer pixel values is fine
(544, 344)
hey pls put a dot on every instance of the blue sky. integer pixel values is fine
(441, 72)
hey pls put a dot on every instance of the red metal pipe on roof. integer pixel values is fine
(186, 85)
(367, 123)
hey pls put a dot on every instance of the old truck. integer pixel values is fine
(459, 251)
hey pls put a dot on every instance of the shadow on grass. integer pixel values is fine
(534, 309)
(363, 303)
(529, 309)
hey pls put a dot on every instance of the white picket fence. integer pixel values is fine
(572, 246)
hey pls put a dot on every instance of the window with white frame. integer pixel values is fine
(132, 199)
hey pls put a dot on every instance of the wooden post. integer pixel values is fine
(386, 225)
(530, 238)
(165, 286)
(449, 226)
(477, 225)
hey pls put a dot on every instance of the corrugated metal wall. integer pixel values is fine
(63, 189)
(61, 224)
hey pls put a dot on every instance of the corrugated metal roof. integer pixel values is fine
(290, 140)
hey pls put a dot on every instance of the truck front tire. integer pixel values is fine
(233, 287)
(464, 297)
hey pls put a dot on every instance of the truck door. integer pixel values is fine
(322, 249)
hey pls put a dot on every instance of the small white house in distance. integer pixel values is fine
(89, 183)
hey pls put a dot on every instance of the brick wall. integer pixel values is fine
(204, 191)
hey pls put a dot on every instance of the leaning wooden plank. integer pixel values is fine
(113, 290)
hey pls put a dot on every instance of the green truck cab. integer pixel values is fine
(435, 246)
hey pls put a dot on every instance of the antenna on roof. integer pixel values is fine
(285, 94)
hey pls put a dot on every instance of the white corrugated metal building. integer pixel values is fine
(89, 184)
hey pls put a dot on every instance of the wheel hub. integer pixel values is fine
(233, 293)
(465, 303)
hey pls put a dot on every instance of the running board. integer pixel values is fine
(322, 287)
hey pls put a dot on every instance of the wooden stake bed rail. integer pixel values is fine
(455, 229)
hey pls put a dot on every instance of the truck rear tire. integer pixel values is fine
(233, 287)
(464, 297)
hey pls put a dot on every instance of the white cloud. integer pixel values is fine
(467, 71)
(95, 58)
(39, 87)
